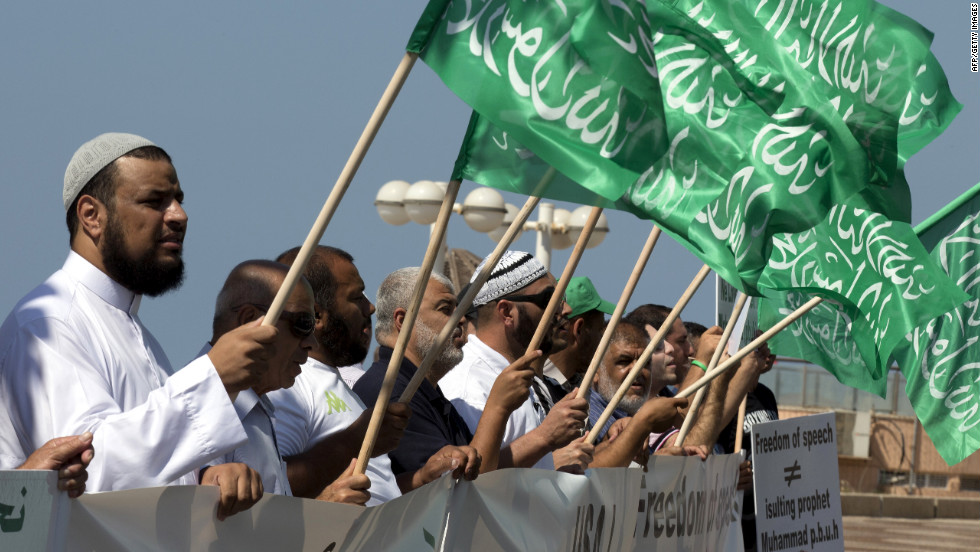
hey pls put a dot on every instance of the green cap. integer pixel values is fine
(582, 297)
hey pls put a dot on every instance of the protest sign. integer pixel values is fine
(797, 487)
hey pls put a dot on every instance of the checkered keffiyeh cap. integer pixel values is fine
(515, 270)
(95, 155)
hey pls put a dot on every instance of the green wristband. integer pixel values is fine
(699, 364)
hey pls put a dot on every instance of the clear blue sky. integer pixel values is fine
(260, 103)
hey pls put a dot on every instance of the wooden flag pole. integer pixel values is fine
(340, 188)
(436, 238)
(715, 357)
(755, 344)
(558, 297)
(624, 299)
(740, 429)
(648, 352)
(467, 300)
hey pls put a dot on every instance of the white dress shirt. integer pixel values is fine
(317, 405)
(468, 386)
(74, 357)
(261, 452)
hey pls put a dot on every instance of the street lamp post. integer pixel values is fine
(559, 229)
(546, 218)
(399, 202)
(484, 210)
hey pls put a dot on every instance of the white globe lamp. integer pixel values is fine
(559, 239)
(576, 223)
(422, 201)
(484, 210)
(388, 202)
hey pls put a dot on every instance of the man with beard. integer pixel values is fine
(626, 345)
(75, 357)
(640, 410)
(321, 422)
(509, 307)
(435, 424)
(683, 351)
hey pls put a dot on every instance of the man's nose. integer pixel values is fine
(176, 215)
(308, 342)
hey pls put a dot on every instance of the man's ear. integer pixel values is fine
(399, 319)
(321, 318)
(578, 326)
(506, 312)
(246, 314)
(93, 216)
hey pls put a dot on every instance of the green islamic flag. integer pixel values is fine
(491, 157)
(941, 359)
(880, 284)
(759, 158)
(866, 63)
(695, 119)
(426, 24)
(874, 62)
(725, 131)
(519, 65)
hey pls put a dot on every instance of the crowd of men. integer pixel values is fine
(276, 408)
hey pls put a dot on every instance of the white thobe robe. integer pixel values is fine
(74, 357)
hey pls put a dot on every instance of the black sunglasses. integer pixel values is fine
(301, 324)
(540, 299)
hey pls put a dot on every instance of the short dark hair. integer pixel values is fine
(694, 332)
(318, 271)
(654, 315)
(694, 329)
(102, 186)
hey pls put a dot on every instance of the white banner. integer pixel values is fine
(522, 510)
(678, 504)
(686, 504)
(183, 518)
